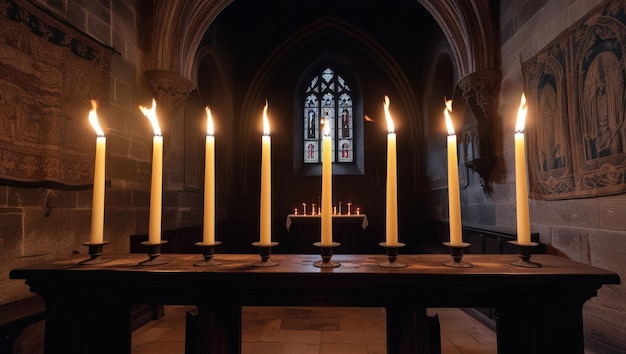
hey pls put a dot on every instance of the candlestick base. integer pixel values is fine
(524, 252)
(327, 254)
(456, 251)
(392, 255)
(154, 251)
(95, 251)
(265, 251)
(208, 251)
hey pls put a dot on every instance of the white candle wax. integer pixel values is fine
(266, 187)
(156, 191)
(391, 209)
(327, 188)
(97, 209)
(209, 184)
(521, 182)
(454, 194)
(156, 186)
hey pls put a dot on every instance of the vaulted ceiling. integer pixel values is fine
(468, 25)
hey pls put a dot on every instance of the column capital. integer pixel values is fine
(481, 89)
(169, 88)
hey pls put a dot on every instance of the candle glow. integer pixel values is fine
(454, 194)
(266, 187)
(391, 210)
(521, 182)
(156, 187)
(97, 208)
(327, 188)
(209, 183)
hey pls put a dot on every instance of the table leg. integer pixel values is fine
(218, 328)
(108, 329)
(73, 327)
(407, 329)
(552, 326)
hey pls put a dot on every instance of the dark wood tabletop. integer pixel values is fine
(539, 309)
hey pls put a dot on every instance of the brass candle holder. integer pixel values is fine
(327, 255)
(154, 251)
(392, 256)
(524, 252)
(456, 251)
(208, 251)
(95, 251)
(265, 251)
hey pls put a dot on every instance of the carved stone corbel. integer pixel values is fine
(169, 88)
(480, 90)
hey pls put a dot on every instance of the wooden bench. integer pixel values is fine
(17, 315)
(482, 239)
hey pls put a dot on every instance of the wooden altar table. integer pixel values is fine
(538, 310)
(344, 218)
(348, 230)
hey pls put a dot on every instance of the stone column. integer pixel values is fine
(480, 89)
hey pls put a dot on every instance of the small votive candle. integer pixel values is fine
(349, 205)
(295, 211)
(303, 208)
(334, 210)
(313, 209)
(358, 211)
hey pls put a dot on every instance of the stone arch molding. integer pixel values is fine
(179, 26)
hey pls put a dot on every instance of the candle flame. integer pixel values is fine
(266, 122)
(93, 119)
(447, 112)
(152, 117)
(326, 127)
(521, 115)
(390, 127)
(209, 121)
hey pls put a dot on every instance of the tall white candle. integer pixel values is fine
(156, 187)
(209, 183)
(327, 188)
(97, 207)
(266, 183)
(391, 209)
(454, 194)
(521, 182)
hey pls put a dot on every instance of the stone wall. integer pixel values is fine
(592, 230)
(38, 224)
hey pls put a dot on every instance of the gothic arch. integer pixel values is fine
(253, 98)
(468, 25)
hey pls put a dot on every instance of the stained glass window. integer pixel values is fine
(328, 100)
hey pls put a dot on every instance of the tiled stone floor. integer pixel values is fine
(313, 330)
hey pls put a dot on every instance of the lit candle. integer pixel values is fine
(454, 194)
(156, 187)
(209, 182)
(521, 183)
(266, 183)
(391, 209)
(327, 188)
(97, 207)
